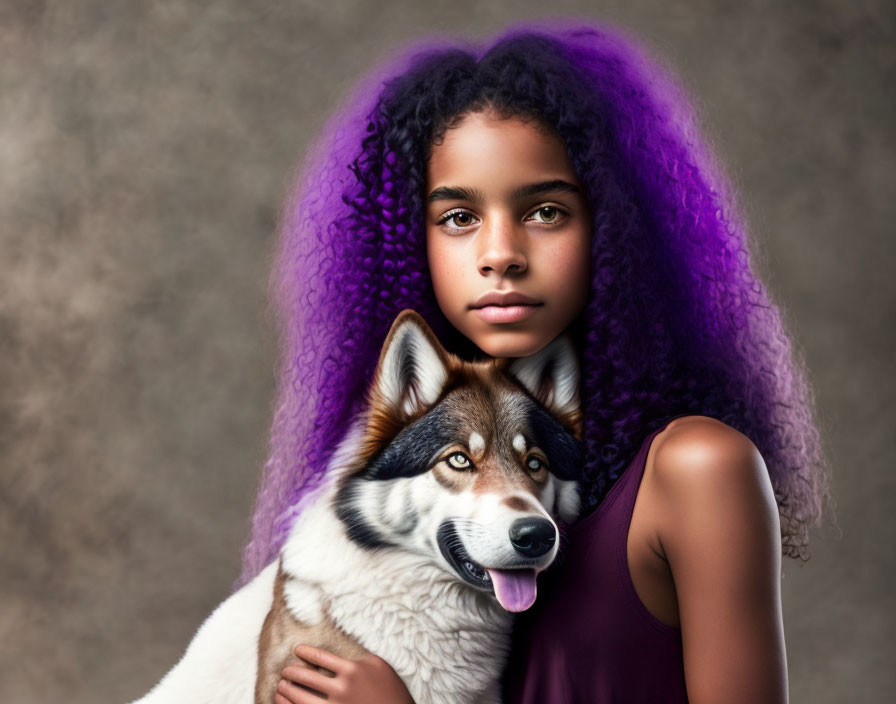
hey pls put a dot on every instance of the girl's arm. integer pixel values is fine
(370, 680)
(718, 526)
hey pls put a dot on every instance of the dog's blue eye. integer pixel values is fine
(534, 464)
(458, 460)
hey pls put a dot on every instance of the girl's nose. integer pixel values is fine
(501, 248)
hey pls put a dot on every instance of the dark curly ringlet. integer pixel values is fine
(676, 321)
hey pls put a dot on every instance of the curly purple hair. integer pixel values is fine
(676, 321)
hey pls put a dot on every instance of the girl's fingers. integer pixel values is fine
(310, 678)
(280, 699)
(289, 693)
(322, 657)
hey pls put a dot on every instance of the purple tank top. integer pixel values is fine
(589, 639)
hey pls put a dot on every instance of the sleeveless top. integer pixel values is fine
(589, 639)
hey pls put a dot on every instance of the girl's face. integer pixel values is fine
(508, 234)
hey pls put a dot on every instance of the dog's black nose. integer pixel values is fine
(532, 537)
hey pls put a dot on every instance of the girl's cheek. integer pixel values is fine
(450, 276)
(572, 255)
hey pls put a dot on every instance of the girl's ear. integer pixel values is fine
(413, 368)
(552, 376)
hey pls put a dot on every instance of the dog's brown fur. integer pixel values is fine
(282, 631)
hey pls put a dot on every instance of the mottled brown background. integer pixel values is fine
(144, 152)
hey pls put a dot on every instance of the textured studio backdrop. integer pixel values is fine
(145, 149)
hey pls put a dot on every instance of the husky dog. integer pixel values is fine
(437, 514)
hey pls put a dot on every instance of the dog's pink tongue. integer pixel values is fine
(515, 589)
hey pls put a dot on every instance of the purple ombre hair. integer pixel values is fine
(676, 321)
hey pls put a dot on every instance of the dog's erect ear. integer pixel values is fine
(413, 367)
(552, 376)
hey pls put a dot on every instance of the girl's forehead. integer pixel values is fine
(493, 153)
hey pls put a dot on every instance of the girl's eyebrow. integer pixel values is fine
(532, 189)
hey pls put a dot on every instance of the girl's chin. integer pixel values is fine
(510, 343)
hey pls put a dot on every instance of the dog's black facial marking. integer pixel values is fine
(412, 450)
(408, 455)
(564, 452)
(452, 549)
(346, 506)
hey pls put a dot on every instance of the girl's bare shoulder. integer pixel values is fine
(705, 470)
(702, 449)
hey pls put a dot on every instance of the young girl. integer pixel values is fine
(554, 182)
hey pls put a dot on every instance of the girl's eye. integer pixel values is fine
(533, 464)
(549, 214)
(460, 218)
(458, 460)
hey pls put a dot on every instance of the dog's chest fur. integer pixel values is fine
(448, 642)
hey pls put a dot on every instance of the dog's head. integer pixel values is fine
(469, 463)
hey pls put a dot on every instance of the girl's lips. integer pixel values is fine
(506, 314)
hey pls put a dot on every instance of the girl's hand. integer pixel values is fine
(370, 680)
